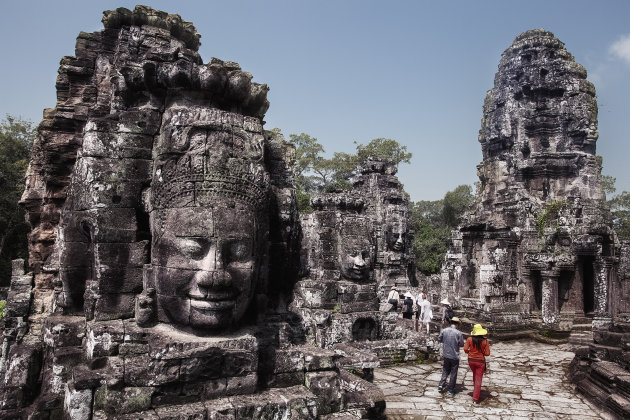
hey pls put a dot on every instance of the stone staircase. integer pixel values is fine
(581, 332)
(601, 370)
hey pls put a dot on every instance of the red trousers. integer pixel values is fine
(477, 368)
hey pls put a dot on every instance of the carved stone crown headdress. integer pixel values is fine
(198, 180)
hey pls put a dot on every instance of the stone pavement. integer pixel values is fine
(526, 380)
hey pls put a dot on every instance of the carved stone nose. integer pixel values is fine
(212, 279)
(358, 261)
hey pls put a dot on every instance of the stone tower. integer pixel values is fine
(354, 244)
(387, 204)
(537, 246)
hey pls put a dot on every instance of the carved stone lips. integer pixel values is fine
(213, 301)
(358, 271)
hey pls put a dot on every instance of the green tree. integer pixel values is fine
(620, 209)
(382, 148)
(608, 184)
(455, 204)
(16, 141)
(432, 222)
(315, 173)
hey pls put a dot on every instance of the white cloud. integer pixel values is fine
(621, 48)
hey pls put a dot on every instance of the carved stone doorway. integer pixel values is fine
(536, 279)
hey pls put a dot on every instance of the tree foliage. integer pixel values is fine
(608, 184)
(620, 209)
(432, 222)
(316, 173)
(16, 141)
(383, 148)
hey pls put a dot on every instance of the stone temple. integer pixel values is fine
(171, 277)
(536, 251)
(164, 246)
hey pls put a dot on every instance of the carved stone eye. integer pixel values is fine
(236, 251)
(192, 247)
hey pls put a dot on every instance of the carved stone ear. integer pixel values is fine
(146, 304)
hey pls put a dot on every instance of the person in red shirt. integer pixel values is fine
(477, 348)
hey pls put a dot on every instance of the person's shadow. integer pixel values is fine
(483, 395)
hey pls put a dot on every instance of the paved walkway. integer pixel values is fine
(526, 380)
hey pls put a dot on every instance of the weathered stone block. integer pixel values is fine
(77, 404)
(106, 371)
(134, 254)
(194, 411)
(293, 402)
(316, 294)
(116, 225)
(289, 360)
(118, 279)
(326, 386)
(114, 306)
(353, 307)
(18, 304)
(318, 359)
(117, 145)
(123, 401)
(63, 331)
(104, 338)
(144, 415)
(286, 379)
(143, 370)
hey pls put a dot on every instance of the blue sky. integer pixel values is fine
(414, 71)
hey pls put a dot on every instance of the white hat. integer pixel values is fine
(445, 302)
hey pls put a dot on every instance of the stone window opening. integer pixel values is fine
(364, 329)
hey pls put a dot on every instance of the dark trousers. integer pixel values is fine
(449, 367)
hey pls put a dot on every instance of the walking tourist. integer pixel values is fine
(426, 312)
(393, 299)
(418, 307)
(477, 348)
(408, 306)
(451, 339)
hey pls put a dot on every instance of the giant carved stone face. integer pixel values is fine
(395, 235)
(355, 259)
(209, 187)
(205, 264)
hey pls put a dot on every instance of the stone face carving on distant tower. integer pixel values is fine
(537, 245)
(387, 205)
(355, 244)
(164, 245)
(338, 254)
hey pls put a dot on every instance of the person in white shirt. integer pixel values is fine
(393, 298)
(426, 313)
(419, 301)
